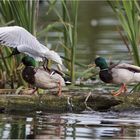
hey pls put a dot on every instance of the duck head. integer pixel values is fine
(101, 63)
(28, 61)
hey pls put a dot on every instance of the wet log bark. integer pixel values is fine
(53, 103)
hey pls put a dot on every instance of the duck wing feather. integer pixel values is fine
(25, 42)
(129, 67)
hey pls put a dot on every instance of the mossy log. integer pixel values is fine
(130, 102)
(53, 103)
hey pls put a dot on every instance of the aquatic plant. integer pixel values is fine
(128, 14)
(70, 33)
(23, 13)
(66, 23)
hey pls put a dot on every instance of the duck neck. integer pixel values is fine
(103, 67)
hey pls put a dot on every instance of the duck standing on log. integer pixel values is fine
(40, 78)
(24, 42)
(118, 74)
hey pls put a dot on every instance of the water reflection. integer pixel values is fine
(14, 127)
(86, 125)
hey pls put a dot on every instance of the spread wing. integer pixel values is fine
(15, 36)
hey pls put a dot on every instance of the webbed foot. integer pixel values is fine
(122, 89)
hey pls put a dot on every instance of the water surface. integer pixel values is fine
(86, 125)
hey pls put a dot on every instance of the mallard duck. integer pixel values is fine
(40, 78)
(24, 42)
(120, 73)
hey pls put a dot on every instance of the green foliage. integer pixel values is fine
(22, 13)
(67, 24)
(128, 15)
(25, 13)
(70, 33)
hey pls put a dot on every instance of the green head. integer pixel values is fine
(101, 63)
(28, 61)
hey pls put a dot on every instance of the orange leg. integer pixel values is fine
(122, 89)
(59, 89)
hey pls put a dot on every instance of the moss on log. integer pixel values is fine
(49, 102)
(130, 102)
(12, 102)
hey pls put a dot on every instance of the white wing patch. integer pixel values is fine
(54, 56)
(15, 36)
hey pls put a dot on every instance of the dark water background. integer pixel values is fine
(97, 32)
